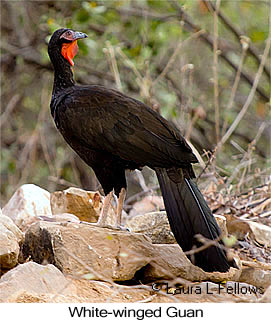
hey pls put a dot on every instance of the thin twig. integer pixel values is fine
(235, 86)
(174, 55)
(238, 34)
(136, 196)
(248, 154)
(207, 38)
(189, 102)
(207, 243)
(254, 188)
(252, 92)
(243, 164)
(43, 140)
(209, 162)
(10, 107)
(215, 71)
(110, 54)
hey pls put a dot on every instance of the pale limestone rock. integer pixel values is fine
(147, 205)
(9, 249)
(93, 292)
(237, 227)
(9, 225)
(222, 223)
(154, 225)
(10, 238)
(86, 205)
(64, 217)
(169, 261)
(261, 232)
(80, 249)
(30, 297)
(34, 278)
(27, 204)
(85, 250)
(256, 276)
(257, 231)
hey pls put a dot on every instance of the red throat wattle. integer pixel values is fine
(69, 50)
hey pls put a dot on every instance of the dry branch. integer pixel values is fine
(206, 37)
(252, 92)
(238, 33)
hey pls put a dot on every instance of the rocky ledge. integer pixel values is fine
(51, 250)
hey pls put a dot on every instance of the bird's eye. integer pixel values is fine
(67, 35)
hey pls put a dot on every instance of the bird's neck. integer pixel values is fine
(63, 79)
(63, 73)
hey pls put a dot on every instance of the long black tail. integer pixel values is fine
(188, 215)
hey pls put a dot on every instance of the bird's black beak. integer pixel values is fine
(78, 35)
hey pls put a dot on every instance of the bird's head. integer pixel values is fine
(65, 41)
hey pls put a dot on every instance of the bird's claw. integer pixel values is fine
(120, 227)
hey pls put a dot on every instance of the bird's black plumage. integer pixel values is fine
(112, 132)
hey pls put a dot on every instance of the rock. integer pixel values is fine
(266, 298)
(97, 291)
(10, 238)
(93, 292)
(30, 297)
(222, 223)
(9, 249)
(257, 231)
(64, 217)
(261, 233)
(86, 205)
(169, 262)
(147, 205)
(87, 292)
(80, 249)
(10, 225)
(256, 276)
(33, 278)
(237, 227)
(87, 251)
(26, 204)
(154, 225)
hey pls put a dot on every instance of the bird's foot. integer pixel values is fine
(122, 228)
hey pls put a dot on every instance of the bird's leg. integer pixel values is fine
(107, 201)
(121, 199)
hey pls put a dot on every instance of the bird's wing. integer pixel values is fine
(110, 121)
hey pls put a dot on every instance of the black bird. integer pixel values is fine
(113, 132)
